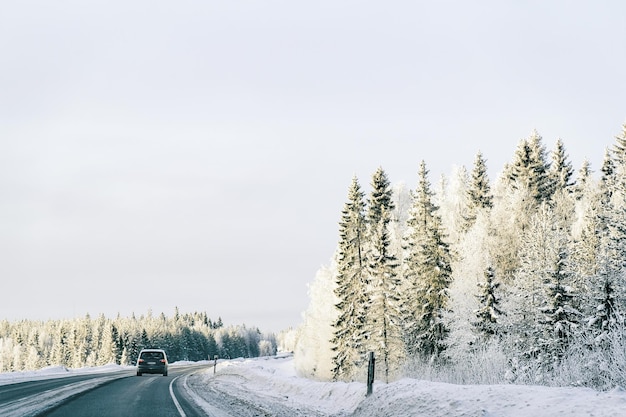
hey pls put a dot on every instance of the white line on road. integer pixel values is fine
(176, 403)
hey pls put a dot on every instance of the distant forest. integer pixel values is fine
(521, 279)
(87, 341)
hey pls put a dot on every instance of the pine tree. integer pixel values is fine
(585, 244)
(349, 328)
(559, 317)
(612, 214)
(583, 179)
(606, 315)
(454, 203)
(479, 191)
(489, 312)
(607, 179)
(538, 254)
(561, 171)
(529, 169)
(384, 314)
(428, 271)
(618, 155)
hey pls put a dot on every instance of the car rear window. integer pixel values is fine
(152, 355)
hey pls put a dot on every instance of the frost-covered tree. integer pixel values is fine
(510, 218)
(453, 201)
(488, 313)
(384, 315)
(561, 171)
(349, 341)
(583, 179)
(560, 316)
(479, 190)
(606, 314)
(585, 239)
(313, 355)
(538, 254)
(618, 154)
(529, 169)
(612, 218)
(524, 185)
(429, 273)
(468, 268)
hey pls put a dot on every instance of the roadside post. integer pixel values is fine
(214, 363)
(370, 374)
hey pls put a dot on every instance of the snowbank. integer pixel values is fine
(274, 380)
(56, 372)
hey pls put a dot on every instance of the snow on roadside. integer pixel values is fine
(274, 380)
(270, 383)
(56, 372)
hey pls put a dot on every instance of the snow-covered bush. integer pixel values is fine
(485, 364)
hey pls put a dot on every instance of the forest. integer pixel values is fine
(516, 280)
(76, 343)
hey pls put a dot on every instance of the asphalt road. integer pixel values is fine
(130, 395)
(17, 391)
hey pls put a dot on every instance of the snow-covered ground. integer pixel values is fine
(272, 384)
(269, 386)
(56, 372)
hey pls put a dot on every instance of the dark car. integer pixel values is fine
(152, 361)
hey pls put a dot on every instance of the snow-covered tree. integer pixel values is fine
(313, 355)
(488, 313)
(559, 316)
(428, 271)
(538, 254)
(479, 190)
(349, 341)
(454, 203)
(561, 171)
(384, 316)
(583, 179)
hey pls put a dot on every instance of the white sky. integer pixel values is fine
(198, 153)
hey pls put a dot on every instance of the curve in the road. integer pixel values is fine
(148, 395)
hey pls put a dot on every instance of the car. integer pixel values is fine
(152, 361)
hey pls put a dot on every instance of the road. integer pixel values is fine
(119, 394)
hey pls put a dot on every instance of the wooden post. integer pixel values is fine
(214, 363)
(370, 374)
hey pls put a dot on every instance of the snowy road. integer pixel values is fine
(110, 394)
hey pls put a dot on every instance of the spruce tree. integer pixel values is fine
(488, 313)
(479, 194)
(529, 169)
(606, 314)
(429, 273)
(559, 317)
(383, 320)
(349, 331)
(561, 171)
(583, 179)
(538, 254)
(618, 154)
(607, 179)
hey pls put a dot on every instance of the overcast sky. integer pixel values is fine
(197, 154)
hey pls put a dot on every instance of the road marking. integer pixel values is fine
(176, 403)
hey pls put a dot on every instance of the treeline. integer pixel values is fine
(533, 264)
(87, 341)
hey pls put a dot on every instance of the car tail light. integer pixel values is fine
(140, 361)
(163, 360)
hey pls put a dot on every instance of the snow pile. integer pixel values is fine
(274, 380)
